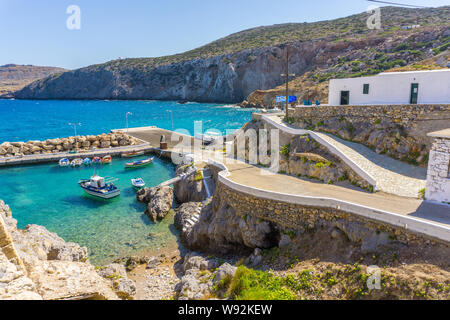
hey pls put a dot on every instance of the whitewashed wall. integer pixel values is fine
(393, 88)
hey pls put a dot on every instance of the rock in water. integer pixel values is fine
(159, 201)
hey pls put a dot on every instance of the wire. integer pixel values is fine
(397, 4)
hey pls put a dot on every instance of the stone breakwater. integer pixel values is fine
(58, 145)
(399, 131)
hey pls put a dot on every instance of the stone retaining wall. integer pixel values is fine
(397, 130)
(370, 233)
(438, 174)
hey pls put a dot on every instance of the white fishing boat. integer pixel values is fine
(99, 187)
(138, 183)
(76, 162)
(64, 162)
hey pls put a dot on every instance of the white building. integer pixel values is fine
(411, 87)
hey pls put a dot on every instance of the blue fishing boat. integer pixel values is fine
(138, 183)
(64, 162)
(87, 161)
(99, 187)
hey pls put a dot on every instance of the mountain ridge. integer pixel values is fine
(230, 68)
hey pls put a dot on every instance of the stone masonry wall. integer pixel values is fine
(438, 174)
(369, 233)
(399, 131)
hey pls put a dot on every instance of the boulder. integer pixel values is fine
(53, 246)
(226, 270)
(160, 202)
(194, 260)
(117, 275)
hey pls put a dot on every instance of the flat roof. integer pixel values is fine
(396, 73)
(440, 134)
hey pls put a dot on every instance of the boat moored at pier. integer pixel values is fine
(139, 163)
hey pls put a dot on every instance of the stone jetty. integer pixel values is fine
(80, 143)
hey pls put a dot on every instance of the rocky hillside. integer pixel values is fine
(14, 77)
(229, 69)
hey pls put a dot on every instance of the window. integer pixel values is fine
(366, 88)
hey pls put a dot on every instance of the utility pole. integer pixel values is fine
(126, 118)
(287, 75)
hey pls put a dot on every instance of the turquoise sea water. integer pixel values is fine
(23, 120)
(49, 195)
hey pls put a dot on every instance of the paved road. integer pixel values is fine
(250, 175)
(392, 176)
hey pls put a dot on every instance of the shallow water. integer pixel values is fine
(49, 195)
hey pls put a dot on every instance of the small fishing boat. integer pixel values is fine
(138, 164)
(99, 187)
(87, 161)
(138, 183)
(76, 162)
(132, 154)
(64, 162)
(107, 159)
(96, 160)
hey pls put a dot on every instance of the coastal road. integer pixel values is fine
(250, 175)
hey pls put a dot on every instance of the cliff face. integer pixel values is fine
(225, 78)
(229, 69)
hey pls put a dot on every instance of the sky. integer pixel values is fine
(35, 31)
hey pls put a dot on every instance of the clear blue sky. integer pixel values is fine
(34, 31)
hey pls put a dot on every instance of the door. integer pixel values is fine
(414, 93)
(345, 97)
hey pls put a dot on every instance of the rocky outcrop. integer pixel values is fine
(191, 187)
(117, 275)
(159, 201)
(37, 264)
(222, 229)
(81, 143)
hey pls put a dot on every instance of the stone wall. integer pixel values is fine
(438, 174)
(81, 143)
(399, 131)
(370, 234)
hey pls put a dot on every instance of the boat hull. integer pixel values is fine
(109, 195)
(132, 154)
(138, 165)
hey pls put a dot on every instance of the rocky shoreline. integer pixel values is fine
(222, 247)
